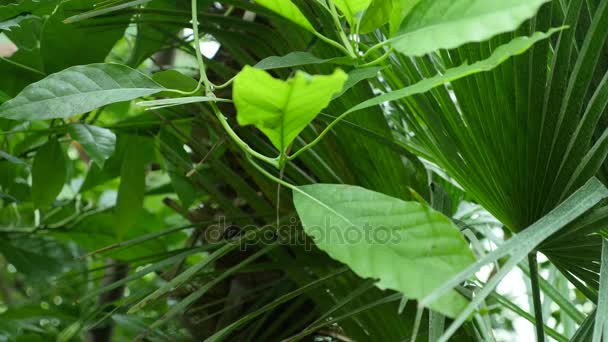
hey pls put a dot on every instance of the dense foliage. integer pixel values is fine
(282, 170)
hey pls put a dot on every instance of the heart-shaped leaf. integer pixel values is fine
(78, 90)
(282, 109)
(407, 246)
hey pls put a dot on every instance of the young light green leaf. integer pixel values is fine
(288, 10)
(282, 109)
(78, 90)
(377, 14)
(515, 47)
(48, 173)
(350, 9)
(401, 8)
(98, 142)
(132, 186)
(297, 58)
(444, 24)
(406, 245)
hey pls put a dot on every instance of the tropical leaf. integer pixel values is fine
(282, 109)
(406, 245)
(444, 24)
(78, 90)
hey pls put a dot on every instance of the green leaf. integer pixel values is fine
(297, 58)
(515, 47)
(444, 24)
(98, 142)
(288, 10)
(378, 13)
(401, 8)
(356, 76)
(350, 8)
(78, 90)
(600, 327)
(173, 79)
(48, 173)
(406, 245)
(132, 186)
(30, 263)
(282, 109)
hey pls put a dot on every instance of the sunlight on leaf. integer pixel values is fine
(282, 109)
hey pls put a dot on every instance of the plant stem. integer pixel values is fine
(378, 60)
(197, 48)
(341, 33)
(319, 137)
(242, 144)
(538, 309)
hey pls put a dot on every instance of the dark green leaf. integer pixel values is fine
(98, 142)
(132, 186)
(48, 173)
(78, 90)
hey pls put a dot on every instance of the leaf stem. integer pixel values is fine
(199, 56)
(242, 144)
(333, 43)
(319, 137)
(538, 309)
(341, 33)
(378, 60)
(375, 47)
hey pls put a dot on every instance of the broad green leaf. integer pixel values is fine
(444, 24)
(407, 246)
(288, 10)
(65, 45)
(351, 8)
(78, 90)
(401, 8)
(377, 14)
(282, 109)
(515, 47)
(98, 142)
(132, 186)
(48, 173)
(297, 58)
(33, 264)
(173, 79)
(356, 76)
